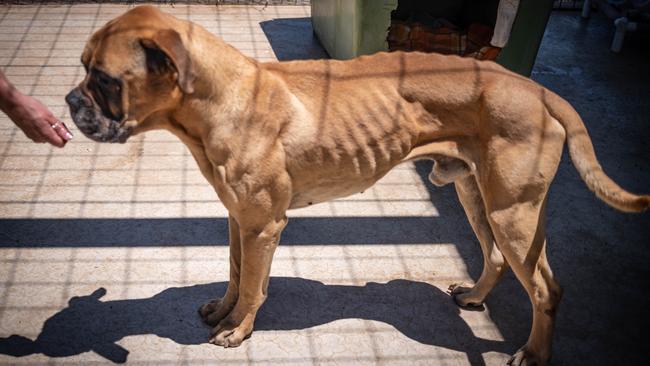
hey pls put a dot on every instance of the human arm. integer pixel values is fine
(31, 116)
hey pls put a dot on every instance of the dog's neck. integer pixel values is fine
(222, 77)
(227, 68)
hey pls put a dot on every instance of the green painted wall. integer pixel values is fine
(526, 35)
(349, 28)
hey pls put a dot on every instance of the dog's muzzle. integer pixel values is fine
(91, 121)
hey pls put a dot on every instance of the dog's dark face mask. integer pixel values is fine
(98, 111)
(133, 72)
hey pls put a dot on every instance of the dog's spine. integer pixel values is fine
(583, 156)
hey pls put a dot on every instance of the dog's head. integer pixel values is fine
(136, 65)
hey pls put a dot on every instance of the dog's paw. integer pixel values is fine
(215, 311)
(230, 333)
(524, 357)
(463, 297)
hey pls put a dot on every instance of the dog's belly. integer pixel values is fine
(329, 189)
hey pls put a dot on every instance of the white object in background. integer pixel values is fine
(505, 17)
(622, 25)
(586, 9)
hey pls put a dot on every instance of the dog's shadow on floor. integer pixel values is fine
(418, 310)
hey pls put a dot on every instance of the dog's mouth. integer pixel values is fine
(92, 122)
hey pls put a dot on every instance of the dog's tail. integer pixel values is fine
(583, 156)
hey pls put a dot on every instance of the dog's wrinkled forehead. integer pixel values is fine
(110, 63)
(110, 47)
(109, 51)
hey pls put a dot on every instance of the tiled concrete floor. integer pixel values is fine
(106, 251)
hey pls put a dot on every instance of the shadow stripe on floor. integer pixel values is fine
(106, 232)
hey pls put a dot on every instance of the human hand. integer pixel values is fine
(36, 121)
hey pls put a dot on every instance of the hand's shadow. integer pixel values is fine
(418, 310)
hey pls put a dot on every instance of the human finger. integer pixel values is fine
(50, 135)
(61, 129)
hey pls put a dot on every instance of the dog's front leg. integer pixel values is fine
(258, 243)
(217, 309)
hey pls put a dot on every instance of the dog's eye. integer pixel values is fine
(113, 87)
(103, 80)
(106, 83)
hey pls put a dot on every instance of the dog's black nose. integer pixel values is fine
(72, 98)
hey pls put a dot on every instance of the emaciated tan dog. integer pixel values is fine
(274, 136)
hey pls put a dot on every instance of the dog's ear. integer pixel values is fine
(165, 52)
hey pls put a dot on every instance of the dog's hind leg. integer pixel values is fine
(514, 188)
(519, 231)
(494, 265)
(214, 311)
